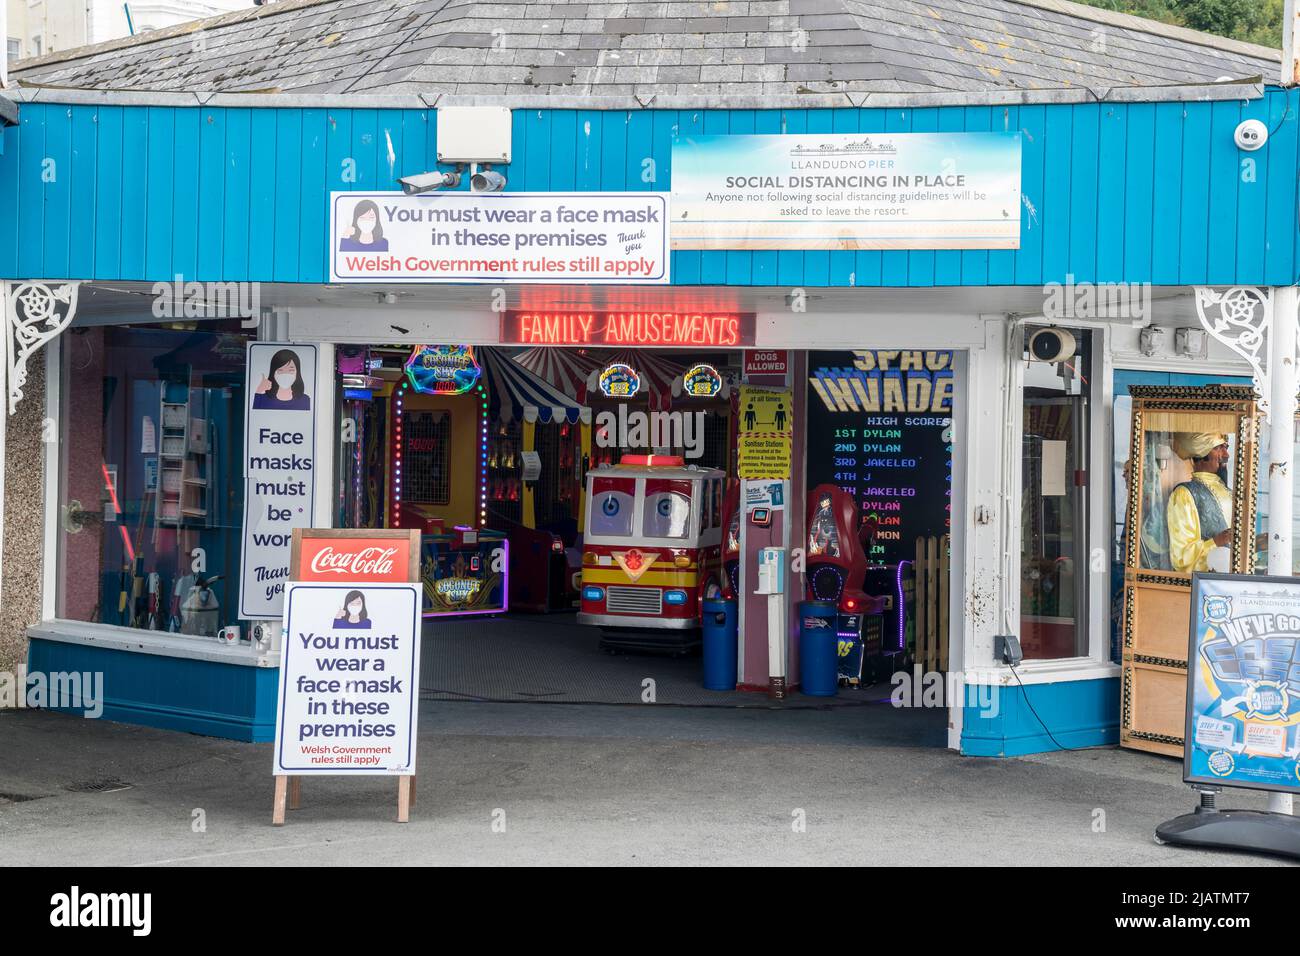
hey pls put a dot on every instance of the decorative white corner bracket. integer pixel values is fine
(1242, 319)
(35, 312)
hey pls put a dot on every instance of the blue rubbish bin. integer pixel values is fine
(818, 648)
(719, 644)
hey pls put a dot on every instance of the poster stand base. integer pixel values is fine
(288, 796)
(1254, 831)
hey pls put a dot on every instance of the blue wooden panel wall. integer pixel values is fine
(1112, 192)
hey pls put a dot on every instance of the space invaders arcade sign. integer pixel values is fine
(682, 329)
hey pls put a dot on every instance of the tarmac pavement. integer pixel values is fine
(538, 783)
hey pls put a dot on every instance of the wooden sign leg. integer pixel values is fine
(281, 796)
(404, 798)
(412, 789)
(295, 793)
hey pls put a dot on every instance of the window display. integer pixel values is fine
(150, 484)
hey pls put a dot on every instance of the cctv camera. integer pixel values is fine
(1251, 134)
(487, 181)
(427, 182)
(1051, 345)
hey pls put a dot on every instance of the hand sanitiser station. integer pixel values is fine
(771, 581)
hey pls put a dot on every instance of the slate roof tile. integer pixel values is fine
(685, 47)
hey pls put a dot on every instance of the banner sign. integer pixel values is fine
(765, 434)
(847, 191)
(279, 463)
(880, 427)
(1243, 683)
(499, 237)
(349, 666)
(618, 329)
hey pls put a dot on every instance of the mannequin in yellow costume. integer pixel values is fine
(1199, 511)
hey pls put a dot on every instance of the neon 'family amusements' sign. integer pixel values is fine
(649, 329)
(442, 369)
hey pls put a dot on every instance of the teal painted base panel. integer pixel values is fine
(1077, 714)
(233, 701)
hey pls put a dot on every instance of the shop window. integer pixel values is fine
(427, 463)
(1054, 505)
(151, 487)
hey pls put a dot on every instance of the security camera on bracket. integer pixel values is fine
(486, 180)
(429, 182)
(1052, 345)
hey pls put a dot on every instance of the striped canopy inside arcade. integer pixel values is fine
(566, 369)
(515, 393)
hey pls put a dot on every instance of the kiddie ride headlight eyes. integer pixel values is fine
(675, 597)
(593, 594)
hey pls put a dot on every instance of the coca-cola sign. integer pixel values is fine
(350, 564)
(326, 557)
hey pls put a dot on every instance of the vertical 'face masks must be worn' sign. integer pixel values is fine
(1243, 683)
(279, 469)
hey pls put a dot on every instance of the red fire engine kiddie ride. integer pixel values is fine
(651, 551)
(838, 543)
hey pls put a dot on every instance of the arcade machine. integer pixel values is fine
(436, 473)
(838, 543)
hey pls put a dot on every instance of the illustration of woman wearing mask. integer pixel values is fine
(283, 389)
(353, 614)
(366, 234)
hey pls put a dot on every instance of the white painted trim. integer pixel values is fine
(1098, 469)
(1178, 366)
(53, 478)
(1044, 672)
(962, 476)
(326, 430)
(157, 643)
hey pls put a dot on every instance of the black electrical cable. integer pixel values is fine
(1025, 692)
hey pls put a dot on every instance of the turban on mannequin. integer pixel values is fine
(1188, 445)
